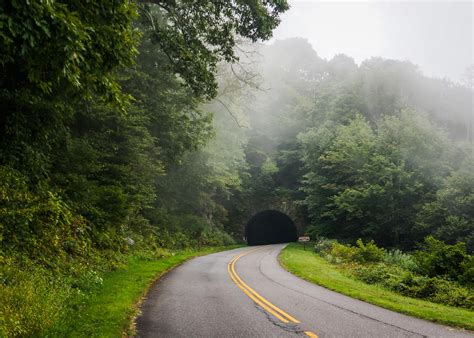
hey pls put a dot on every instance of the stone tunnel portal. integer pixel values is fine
(270, 227)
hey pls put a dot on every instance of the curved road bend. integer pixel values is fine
(254, 296)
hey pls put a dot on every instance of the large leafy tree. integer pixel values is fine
(196, 35)
(71, 46)
(450, 216)
(54, 54)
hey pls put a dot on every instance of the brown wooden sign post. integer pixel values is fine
(303, 239)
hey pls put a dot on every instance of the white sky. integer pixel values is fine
(435, 35)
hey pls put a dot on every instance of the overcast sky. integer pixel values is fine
(435, 35)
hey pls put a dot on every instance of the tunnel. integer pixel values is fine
(270, 227)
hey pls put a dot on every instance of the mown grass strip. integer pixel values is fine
(109, 311)
(311, 267)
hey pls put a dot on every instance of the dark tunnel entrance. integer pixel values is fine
(270, 227)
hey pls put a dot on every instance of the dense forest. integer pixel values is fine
(165, 125)
(377, 151)
(105, 135)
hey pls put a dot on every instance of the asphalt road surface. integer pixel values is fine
(246, 293)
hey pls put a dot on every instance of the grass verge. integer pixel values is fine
(309, 266)
(110, 310)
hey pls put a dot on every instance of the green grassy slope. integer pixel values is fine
(311, 267)
(110, 310)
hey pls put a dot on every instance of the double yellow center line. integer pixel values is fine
(257, 298)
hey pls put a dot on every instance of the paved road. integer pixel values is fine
(205, 298)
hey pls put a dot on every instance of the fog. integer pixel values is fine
(437, 36)
(358, 121)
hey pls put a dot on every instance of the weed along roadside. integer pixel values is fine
(342, 277)
(110, 310)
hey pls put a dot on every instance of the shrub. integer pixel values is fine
(336, 252)
(30, 300)
(410, 284)
(401, 259)
(467, 277)
(422, 275)
(447, 292)
(376, 273)
(368, 252)
(437, 290)
(416, 286)
(437, 258)
(323, 245)
(211, 236)
(87, 280)
(344, 253)
(38, 224)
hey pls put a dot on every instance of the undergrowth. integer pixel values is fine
(437, 272)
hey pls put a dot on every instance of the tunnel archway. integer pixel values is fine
(270, 227)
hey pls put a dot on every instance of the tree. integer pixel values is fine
(55, 54)
(450, 217)
(197, 35)
(363, 183)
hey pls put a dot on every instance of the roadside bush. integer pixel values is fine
(323, 245)
(437, 258)
(40, 225)
(31, 301)
(446, 292)
(377, 273)
(399, 258)
(368, 252)
(426, 275)
(410, 284)
(468, 276)
(211, 236)
(88, 280)
(341, 253)
(436, 290)
(416, 286)
(186, 231)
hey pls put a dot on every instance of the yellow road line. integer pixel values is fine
(257, 298)
(274, 307)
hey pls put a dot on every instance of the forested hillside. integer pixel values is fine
(376, 151)
(105, 134)
(157, 125)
